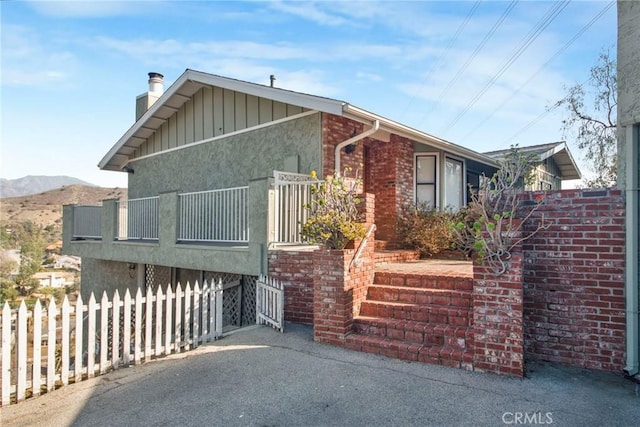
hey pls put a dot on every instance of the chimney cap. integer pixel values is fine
(154, 74)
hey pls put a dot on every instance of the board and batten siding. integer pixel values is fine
(211, 112)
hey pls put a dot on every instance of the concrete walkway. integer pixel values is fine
(259, 377)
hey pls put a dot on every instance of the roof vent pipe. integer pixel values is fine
(156, 83)
(273, 79)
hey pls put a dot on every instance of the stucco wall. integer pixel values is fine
(229, 162)
(628, 72)
(100, 275)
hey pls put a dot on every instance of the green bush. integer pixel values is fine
(426, 230)
(334, 219)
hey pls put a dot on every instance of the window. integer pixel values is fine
(454, 183)
(426, 179)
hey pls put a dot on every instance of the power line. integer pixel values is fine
(540, 26)
(534, 75)
(452, 41)
(477, 50)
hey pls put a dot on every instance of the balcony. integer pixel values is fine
(217, 230)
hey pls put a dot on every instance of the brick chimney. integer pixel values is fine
(146, 100)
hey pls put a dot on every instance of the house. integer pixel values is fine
(218, 169)
(628, 81)
(50, 280)
(553, 163)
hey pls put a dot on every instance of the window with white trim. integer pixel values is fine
(453, 183)
(426, 179)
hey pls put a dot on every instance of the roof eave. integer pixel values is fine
(392, 126)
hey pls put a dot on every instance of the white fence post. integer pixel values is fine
(77, 362)
(37, 348)
(21, 344)
(64, 342)
(6, 354)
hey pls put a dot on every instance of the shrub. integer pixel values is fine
(426, 230)
(334, 219)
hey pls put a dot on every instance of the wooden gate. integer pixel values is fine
(270, 303)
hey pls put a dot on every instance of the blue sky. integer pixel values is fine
(70, 71)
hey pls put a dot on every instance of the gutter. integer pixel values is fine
(632, 282)
(353, 140)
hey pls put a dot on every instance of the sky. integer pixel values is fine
(479, 74)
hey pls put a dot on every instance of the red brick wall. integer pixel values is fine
(336, 129)
(295, 270)
(388, 168)
(574, 309)
(498, 318)
(389, 175)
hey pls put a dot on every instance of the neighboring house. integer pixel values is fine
(553, 164)
(628, 80)
(50, 280)
(205, 201)
(67, 262)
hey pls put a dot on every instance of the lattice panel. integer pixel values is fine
(226, 277)
(249, 300)
(232, 306)
(155, 275)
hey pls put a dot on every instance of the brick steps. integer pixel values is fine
(413, 295)
(418, 312)
(434, 354)
(416, 280)
(386, 256)
(414, 332)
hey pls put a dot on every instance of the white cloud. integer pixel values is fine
(310, 11)
(28, 61)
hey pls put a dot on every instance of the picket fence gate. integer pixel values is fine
(85, 340)
(270, 302)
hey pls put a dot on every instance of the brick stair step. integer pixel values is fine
(414, 332)
(434, 354)
(419, 312)
(454, 283)
(383, 255)
(408, 294)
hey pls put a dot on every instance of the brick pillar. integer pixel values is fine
(339, 287)
(498, 317)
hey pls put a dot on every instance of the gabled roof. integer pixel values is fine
(192, 81)
(558, 151)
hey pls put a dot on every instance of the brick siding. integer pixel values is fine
(295, 269)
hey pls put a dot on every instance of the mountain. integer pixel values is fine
(45, 209)
(36, 184)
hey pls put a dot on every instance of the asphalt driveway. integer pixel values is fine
(259, 377)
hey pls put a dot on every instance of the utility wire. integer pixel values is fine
(540, 26)
(534, 75)
(477, 50)
(537, 119)
(447, 49)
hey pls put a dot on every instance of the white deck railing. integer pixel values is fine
(138, 219)
(214, 216)
(87, 222)
(51, 346)
(293, 191)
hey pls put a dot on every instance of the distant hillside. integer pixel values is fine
(36, 184)
(45, 209)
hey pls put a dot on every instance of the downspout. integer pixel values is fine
(632, 282)
(352, 140)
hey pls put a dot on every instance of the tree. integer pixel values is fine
(591, 108)
(31, 254)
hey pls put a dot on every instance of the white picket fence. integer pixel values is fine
(85, 340)
(270, 302)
